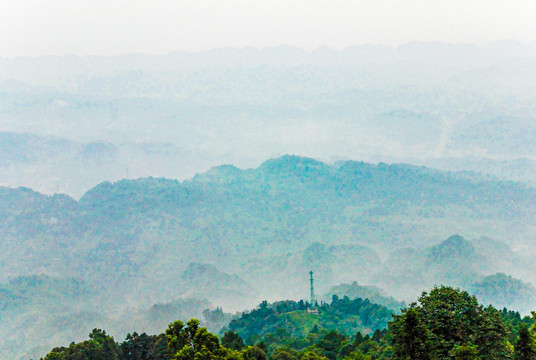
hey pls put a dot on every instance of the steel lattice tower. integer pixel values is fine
(312, 288)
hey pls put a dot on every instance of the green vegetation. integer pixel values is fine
(445, 320)
(446, 323)
(258, 224)
(232, 237)
(23, 292)
(374, 294)
(293, 319)
(503, 290)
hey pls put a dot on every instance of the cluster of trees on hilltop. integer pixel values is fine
(445, 323)
(291, 320)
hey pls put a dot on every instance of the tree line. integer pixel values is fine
(445, 323)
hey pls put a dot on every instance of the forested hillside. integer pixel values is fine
(295, 320)
(289, 215)
(239, 236)
(445, 323)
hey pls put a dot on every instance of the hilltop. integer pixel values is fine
(286, 216)
(240, 236)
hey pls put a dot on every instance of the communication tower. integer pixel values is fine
(313, 299)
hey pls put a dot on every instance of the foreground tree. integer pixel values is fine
(411, 339)
(446, 319)
(466, 352)
(144, 347)
(101, 346)
(254, 353)
(192, 342)
(525, 348)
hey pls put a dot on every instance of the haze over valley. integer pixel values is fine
(235, 237)
(69, 122)
(137, 190)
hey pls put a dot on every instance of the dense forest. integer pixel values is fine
(289, 214)
(444, 323)
(141, 253)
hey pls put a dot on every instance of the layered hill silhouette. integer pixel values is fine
(69, 122)
(260, 224)
(236, 237)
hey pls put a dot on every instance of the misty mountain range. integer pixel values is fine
(116, 209)
(78, 121)
(235, 237)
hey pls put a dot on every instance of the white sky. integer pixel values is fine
(109, 27)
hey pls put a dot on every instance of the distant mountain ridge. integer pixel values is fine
(223, 288)
(72, 122)
(285, 55)
(373, 293)
(72, 167)
(503, 290)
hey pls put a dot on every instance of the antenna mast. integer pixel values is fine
(312, 288)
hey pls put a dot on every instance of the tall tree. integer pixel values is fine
(411, 339)
(192, 342)
(525, 348)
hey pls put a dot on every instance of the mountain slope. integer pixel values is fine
(503, 290)
(263, 230)
(247, 221)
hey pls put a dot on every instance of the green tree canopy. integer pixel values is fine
(411, 338)
(192, 342)
(525, 347)
(100, 347)
(254, 353)
(232, 340)
(446, 318)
